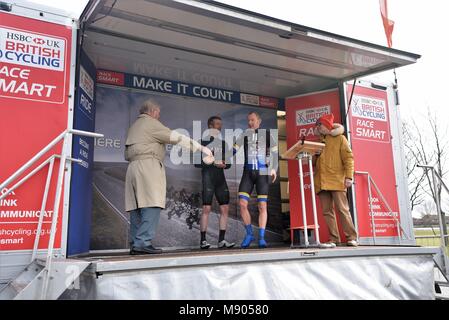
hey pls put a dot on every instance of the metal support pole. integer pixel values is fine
(441, 181)
(441, 215)
(312, 190)
(303, 201)
(437, 203)
(371, 208)
(54, 222)
(44, 202)
(398, 228)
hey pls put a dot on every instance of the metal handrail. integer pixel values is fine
(43, 151)
(428, 237)
(32, 173)
(64, 157)
(400, 230)
(444, 238)
(437, 200)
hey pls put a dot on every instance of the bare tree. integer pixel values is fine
(416, 178)
(428, 214)
(426, 144)
(427, 208)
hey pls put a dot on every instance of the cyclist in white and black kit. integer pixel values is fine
(214, 183)
(259, 146)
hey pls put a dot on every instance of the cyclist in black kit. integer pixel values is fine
(258, 167)
(214, 182)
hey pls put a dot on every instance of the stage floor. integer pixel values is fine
(120, 260)
(365, 272)
(372, 272)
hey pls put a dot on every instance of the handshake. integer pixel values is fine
(209, 158)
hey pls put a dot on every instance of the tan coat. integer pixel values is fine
(145, 184)
(335, 163)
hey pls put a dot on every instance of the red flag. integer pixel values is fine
(388, 24)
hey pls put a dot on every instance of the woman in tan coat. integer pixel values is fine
(145, 186)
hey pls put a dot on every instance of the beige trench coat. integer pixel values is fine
(145, 184)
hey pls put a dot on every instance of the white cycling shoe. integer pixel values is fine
(223, 244)
(352, 243)
(328, 245)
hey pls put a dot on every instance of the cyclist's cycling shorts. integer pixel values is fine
(214, 182)
(251, 178)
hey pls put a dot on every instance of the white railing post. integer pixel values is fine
(44, 203)
(54, 221)
(437, 203)
(303, 201)
(312, 190)
(373, 223)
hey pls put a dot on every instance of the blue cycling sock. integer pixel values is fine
(262, 242)
(249, 236)
(261, 233)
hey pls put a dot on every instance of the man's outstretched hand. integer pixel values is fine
(206, 151)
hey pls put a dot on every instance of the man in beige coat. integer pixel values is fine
(145, 185)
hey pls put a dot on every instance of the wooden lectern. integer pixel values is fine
(304, 150)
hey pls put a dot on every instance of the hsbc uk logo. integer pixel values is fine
(30, 38)
(39, 41)
(369, 108)
(311, 115)
(31, 50)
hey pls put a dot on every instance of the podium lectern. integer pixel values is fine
(304, 150)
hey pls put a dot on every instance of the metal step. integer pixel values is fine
(17, 285)
(442, 283)
(28, 284)
(442, 263)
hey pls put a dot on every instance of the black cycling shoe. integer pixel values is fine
(134, 252)
(204, 245)
(145, 250)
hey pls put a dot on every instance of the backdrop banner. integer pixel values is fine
(116, 109)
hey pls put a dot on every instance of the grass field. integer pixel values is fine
(428, 237)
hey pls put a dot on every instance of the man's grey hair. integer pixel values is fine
(149, 106)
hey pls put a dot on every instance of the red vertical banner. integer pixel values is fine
(34, 87)
(373, 154)
(388, 24)
(302, 112)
